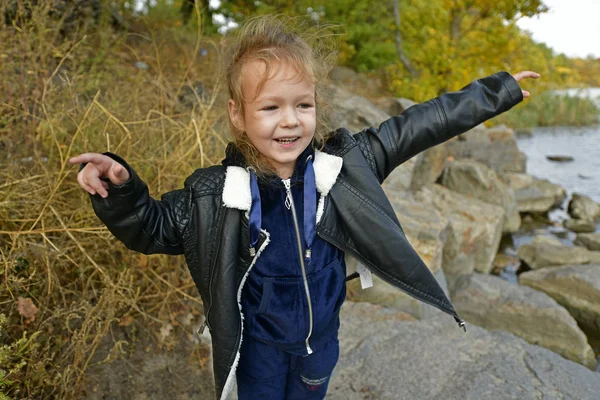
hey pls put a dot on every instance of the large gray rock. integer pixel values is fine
(583, 207)
(475, 231)
(355, 112)
(535, 195)
(591, 241)
(576, 287)
(426, 230)
(394, 105)
(547, 251)
(475, 179)
(580, 225)
(501, 156)
(500, 133)
(384, 358)
(495, 304)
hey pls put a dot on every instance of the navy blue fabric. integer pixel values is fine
(274, 300)
(255, 220)
(267, 372)
(310, 207)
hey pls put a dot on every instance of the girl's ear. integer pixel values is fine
(235, 115)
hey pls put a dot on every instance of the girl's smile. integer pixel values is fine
(279, 115)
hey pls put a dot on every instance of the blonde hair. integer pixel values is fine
(274, 40)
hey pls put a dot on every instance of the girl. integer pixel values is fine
(265, 233)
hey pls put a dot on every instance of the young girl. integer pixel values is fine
(265, 233)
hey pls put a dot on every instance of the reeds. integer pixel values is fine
(82, 92)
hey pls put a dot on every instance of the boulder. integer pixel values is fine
(500, 133)
(583, 207)
(501, 155)
(475, 179)
(575, 287)
(494, 304)
(474, 235)
(580, 225)
(547, 251)
(477, 134)
(426, 230)
(589, 240)
(535, 195)
(355, 112)
(394, 105)
(385, 357)
(420, 170)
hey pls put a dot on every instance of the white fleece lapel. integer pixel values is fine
(327, 168)
(236, 192)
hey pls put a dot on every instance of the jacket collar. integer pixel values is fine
(236, 190)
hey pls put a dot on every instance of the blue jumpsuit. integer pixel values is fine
(278, 357)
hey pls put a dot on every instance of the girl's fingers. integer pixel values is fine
(85, 186)
(526, 93)
(525, 74)
(94, 158)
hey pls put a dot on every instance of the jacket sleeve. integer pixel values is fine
(425, 125)
(142, 223)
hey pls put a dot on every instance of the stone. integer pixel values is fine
(494, 304)
(547, 251)
(384, 357)
(583, 207)
(475, 179)
(589, 240)
(580, 225)
(474, 235)
(354, 112)
(501, 155)
(575, 287)
(394, 105)
(500, 133)
(476, 134)
(535, 195)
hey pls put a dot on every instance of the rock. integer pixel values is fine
(589, 240)
(575, 287)
(475, 179)
(394, 105)
(501, 155)
(558, 158)
(583, 207)
(355, 112)
(477, 134)
(385, 358)
(547, 251)
(500, 133)
(494, 304)
(580, 225)
(524, 132)
(535, 195)
(423, 169)
(474, 235)
(426, 230)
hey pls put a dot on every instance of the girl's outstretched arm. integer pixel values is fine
(121, 200)
(425, 125)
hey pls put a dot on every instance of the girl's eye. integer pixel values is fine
(305, 105)
(270, 108)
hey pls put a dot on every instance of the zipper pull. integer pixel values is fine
(288, 197)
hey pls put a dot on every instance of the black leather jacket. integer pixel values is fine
(206, 219)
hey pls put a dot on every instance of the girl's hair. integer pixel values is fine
(277, 39)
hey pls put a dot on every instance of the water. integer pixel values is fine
(583, 144)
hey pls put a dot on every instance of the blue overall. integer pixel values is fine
(274, 360)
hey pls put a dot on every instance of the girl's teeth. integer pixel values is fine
(285, 141)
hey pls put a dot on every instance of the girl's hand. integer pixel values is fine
(525, 74)
(99, 166)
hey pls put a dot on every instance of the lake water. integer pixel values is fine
(583, 144)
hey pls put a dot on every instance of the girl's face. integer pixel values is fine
(280, 119)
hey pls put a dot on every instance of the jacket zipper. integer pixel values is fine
(289, 203)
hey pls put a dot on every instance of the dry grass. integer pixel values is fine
(62, 96)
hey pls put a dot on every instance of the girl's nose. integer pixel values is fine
(290, 119)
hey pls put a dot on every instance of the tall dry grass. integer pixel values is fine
(65, 281)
